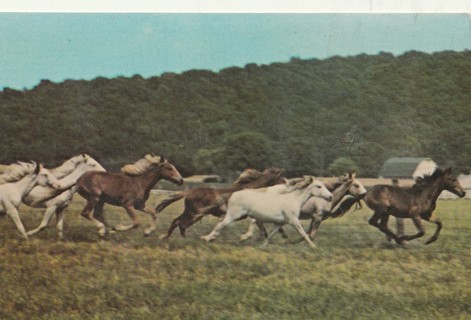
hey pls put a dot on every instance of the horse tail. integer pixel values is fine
(345, 206)
(166, 202)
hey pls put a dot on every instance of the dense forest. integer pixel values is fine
(308, 116)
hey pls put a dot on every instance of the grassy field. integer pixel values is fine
(354, 273)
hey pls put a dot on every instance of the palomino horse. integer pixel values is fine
(202, 201)
(416, 202)
(129, 189)
(279, 209)
(318, 209)
(55, 201)
(22, 178)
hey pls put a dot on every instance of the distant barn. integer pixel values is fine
(407, 168)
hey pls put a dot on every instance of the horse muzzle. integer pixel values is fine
(55, 186)
(179, 182)
(461, 194)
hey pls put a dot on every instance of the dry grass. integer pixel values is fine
(354, 273)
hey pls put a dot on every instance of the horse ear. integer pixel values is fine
(162, 159)
(353, 175)
(448, 170)
(38, 168)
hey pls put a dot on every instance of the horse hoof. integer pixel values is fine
(206, 238)
(163, 237)
(147, 232)
(400, 241)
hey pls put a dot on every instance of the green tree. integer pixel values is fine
(342, 165)
(248, 149)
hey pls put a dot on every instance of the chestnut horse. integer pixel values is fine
(202, 201)
(129, 189)
(416, 202)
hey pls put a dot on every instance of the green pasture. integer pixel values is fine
(353, 274)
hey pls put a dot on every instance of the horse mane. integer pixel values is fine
(248, 175)
(421, 182)
(304, 183)
(17, 171)
(140, 166)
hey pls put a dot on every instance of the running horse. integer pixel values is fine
(417, 202)
(203, 201)
(129, 189)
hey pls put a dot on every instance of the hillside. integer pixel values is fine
(301, 115)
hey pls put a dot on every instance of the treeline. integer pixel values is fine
(309, 116)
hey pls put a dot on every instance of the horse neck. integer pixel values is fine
(149, 178)
(301, 196)
(70, 179)
(25, 185)
(340, 192)
(432, 190)
(59, 172)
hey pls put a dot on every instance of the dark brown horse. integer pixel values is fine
(416, 202)
(129, 189)
(203, 201)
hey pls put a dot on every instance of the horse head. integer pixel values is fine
(45, 178)
(169, 172)
(357, 189)
(318, 189)
(451, 183)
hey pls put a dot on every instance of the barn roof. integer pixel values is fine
(400, 167)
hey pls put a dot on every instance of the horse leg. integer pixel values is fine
(45, 221)
(87, 214)
(176, 223)
(231, 216)
(192, 220)
(418, 224)
(294, 221)
(13, 213)
(439, 224)
(275, 229)
(60, 222)
(250, 230)
(315, 224)
(153, 224)
(134, 224)
(380, 221)
(283, 233)
(399, 228)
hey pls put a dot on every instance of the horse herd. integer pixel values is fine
(263, 196)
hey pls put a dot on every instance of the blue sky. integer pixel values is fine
(61, 46)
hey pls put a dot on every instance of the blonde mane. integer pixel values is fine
(141, 165)
(16, 171)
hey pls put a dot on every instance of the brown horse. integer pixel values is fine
(202, 201)
(416, 202)
(129, 189)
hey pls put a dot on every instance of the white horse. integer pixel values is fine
(279, 209)
(59, 172)
(318, 209)
(22, 178)
(55, 201)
